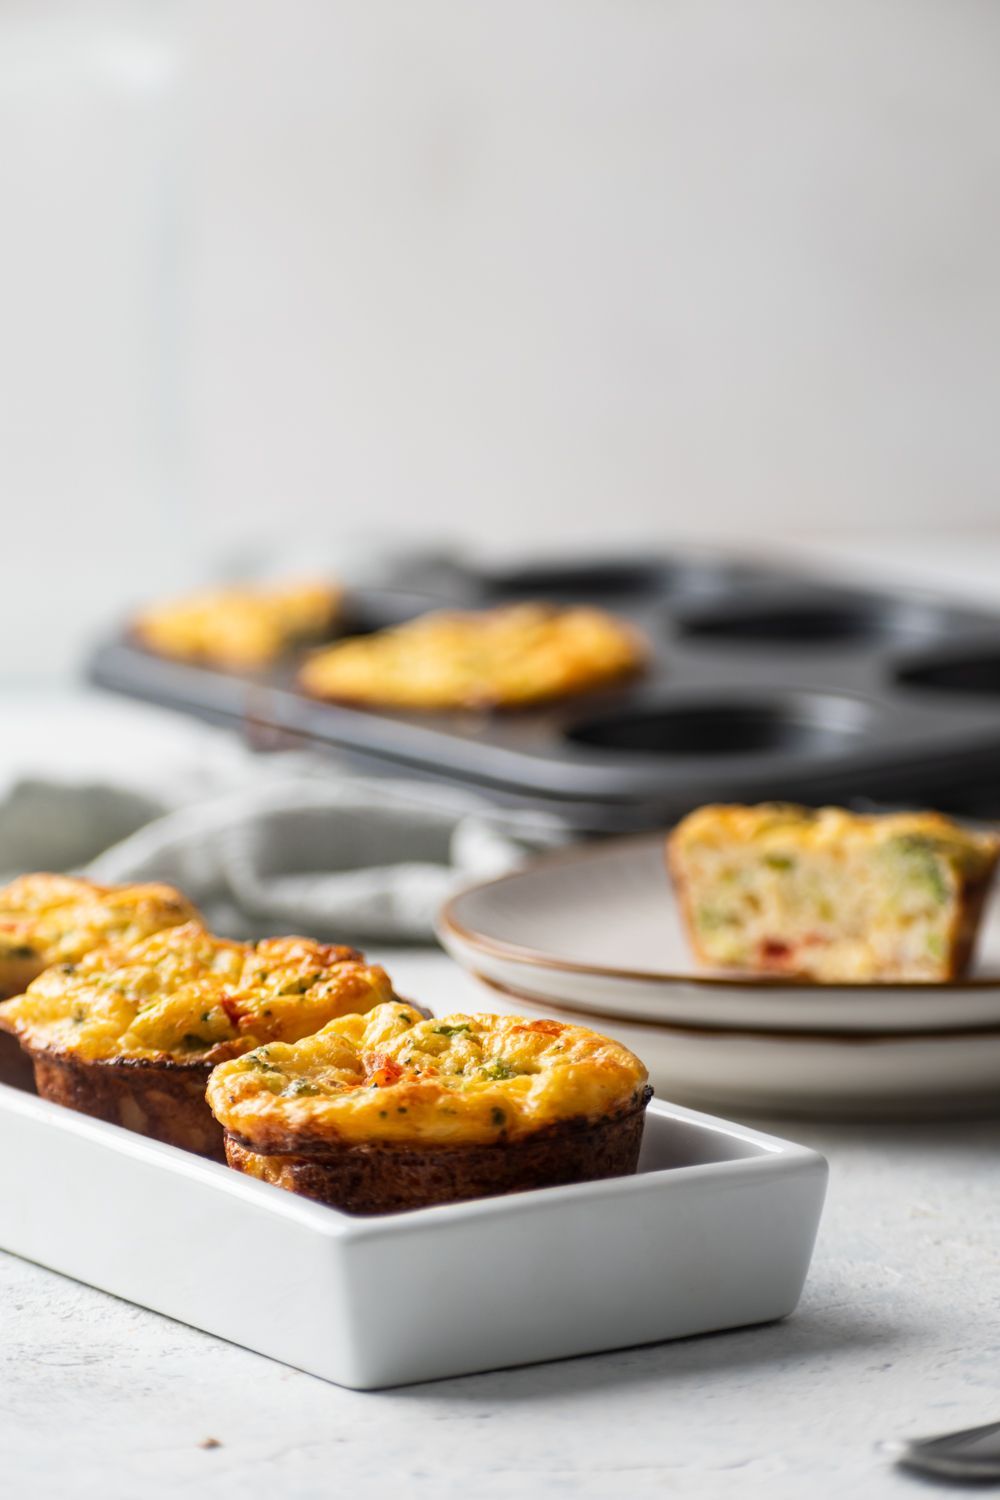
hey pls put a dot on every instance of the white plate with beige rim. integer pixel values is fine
(597, 928)
(802, 1074)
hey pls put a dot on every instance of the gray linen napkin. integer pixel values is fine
(261, 843)
(331, 855)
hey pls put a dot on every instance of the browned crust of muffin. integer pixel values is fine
(380, 1177)
(969, 911)
(164, 1100)
(16, 1067)
(17, 973)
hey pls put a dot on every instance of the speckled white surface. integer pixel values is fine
(898, 1333)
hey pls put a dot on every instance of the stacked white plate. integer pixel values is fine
(593, 935)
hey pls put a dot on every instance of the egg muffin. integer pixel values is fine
(490, 659)
(389, 1111)
(831, 895)
(240, 627)
(47, 919)
(131, 1034)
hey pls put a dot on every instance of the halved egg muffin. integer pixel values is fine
(833, 895)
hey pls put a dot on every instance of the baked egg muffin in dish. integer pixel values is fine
(512, 657)
(388, 1110)
(241, 627)
(48, 919)
(831, 895)
(131, 1034)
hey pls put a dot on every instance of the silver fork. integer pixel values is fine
(973, 1453)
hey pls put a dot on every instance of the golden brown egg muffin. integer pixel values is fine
(499, 658)
(829, 894)
(48, 919)
(240, 628)
(389, 1111)
(131, 1034)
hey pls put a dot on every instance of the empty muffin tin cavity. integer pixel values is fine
(378, 609)
(974, 672)
(818, 622)
(793, 724)
(614, 581)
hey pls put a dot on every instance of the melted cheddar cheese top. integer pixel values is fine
(392, 1076)
(502, 658)
(186, 996)
(59, 918)
(239, 627)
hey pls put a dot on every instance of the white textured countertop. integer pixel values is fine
(898, 1333)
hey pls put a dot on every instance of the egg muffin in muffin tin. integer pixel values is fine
(131, 1034)
(240, 627)
(829, 894)
(512, 657)
(48, 919)
(388, 1110)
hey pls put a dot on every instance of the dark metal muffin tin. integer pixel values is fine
(763, 683)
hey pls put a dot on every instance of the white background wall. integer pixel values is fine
(538, 269)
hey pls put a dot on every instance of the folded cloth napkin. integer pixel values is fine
(330, 855)
(261, 843)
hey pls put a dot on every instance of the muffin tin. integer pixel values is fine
(763, 683)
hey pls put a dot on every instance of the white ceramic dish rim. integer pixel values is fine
(767, 1150)
(689, 1184)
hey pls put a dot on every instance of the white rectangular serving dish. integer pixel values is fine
(715, 1230)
